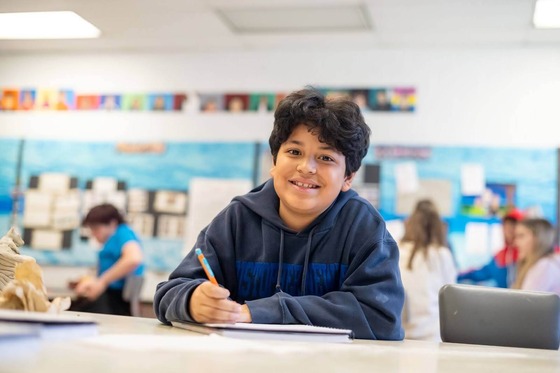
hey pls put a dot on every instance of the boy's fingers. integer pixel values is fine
(209, 314)
(221, 305)
(209, 303)
(213, 291)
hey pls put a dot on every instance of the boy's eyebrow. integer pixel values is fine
(324, 147)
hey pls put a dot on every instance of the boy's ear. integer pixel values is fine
(348, 182)
(273, 167)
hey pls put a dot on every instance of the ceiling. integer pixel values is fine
(211, 25)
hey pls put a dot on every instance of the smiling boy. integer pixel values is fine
(303, 248)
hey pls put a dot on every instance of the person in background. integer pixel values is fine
(426, 265)
(538, 267)
(120, 256)
(501, 269)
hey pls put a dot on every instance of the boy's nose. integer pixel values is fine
(307, 166)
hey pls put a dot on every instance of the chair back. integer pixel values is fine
(499, 317)
(131, 293)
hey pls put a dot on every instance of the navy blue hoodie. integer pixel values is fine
(341, 271)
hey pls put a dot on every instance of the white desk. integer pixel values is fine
(360, 356)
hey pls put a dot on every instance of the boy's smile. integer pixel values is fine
(308, 176)
(304, 185)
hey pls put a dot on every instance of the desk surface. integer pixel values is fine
(360, 356)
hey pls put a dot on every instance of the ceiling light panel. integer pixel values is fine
(294, 20)
(46, 25)
(547, 14)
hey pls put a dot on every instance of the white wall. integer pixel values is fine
(470, 97)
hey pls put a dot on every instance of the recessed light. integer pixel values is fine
(547, 14)
(46, 25)
(296, 19)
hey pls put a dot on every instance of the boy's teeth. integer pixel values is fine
(304, 185)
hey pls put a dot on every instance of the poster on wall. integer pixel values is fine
(236, 102)
(379, 99)
(9, 99)
(472, 179)
(27, 99)
(493, 201)
(403, 99)
(406, 176)
(262, 102)
(438, 191)
(208, 198)
(211, 103)
(111, 102)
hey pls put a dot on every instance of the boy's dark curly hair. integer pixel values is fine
(338, 123)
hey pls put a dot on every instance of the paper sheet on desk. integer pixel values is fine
(187, 343)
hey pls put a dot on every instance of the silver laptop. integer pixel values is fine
(499, 317)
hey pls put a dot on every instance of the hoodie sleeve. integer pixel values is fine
(172, 297)
(369, 301)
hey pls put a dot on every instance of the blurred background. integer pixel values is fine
(164, 109)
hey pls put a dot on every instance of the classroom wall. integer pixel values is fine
(487, 97)
(470, 98)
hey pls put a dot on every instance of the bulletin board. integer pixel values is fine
(59, 181)
(472, 186)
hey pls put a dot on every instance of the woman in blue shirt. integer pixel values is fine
(120, 256)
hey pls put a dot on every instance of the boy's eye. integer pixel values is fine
(326, 158)
(294, 152)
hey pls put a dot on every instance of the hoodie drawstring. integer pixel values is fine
(280, 261)
(306, 262)
(305, 265)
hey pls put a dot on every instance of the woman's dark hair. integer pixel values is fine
(103, 214)
(337, 122)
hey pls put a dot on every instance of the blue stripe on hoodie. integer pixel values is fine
(259, 279)
(341, 271)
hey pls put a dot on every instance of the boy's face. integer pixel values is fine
(308, 176)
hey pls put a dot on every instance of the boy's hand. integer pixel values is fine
(210, 304)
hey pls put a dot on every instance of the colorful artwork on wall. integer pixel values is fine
(385, 99)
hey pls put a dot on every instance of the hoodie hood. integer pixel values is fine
(258, 201)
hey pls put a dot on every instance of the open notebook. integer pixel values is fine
(271, 331)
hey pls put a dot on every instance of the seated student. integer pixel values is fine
(426, 265)
(303, 248)
(538, 265)
(501, 269)
(120, 256)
